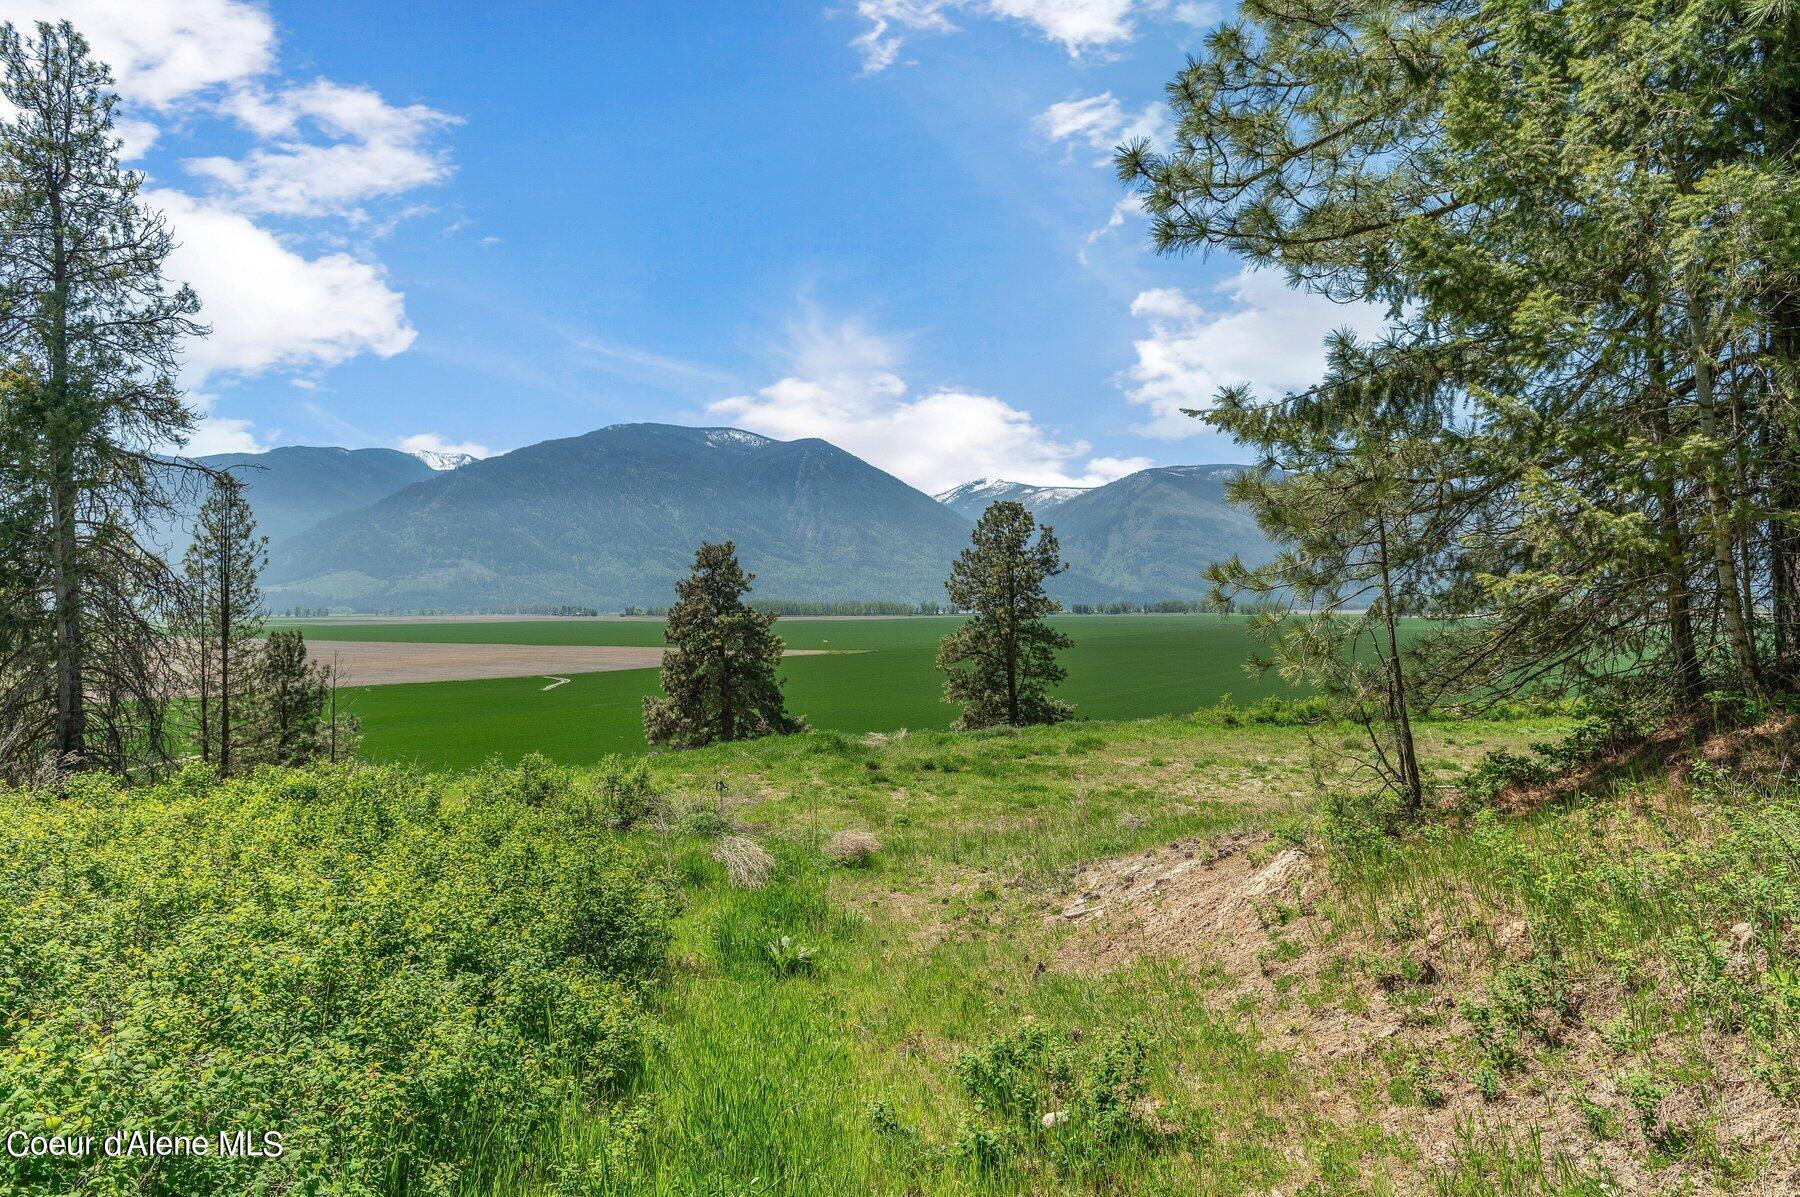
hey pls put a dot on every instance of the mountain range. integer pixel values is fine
(611, 519)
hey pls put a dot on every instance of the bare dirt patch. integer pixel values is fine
(384, 663)
(1258, 917)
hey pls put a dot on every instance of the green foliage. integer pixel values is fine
(1001, 663)
(626, 795)
(718, 678)
(291, 721)
(535, 781)
(1711, 902)
(1505, 769)
(1270, 711)
(1525, 1004)
(408, 980)
(1071, 1099)
(1502, 770)
(1580, 218)
(779, 927)
(788, 957)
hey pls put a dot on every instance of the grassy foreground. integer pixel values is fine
(1560, 1002)
(1112, 958)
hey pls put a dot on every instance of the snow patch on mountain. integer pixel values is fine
(443, 461)
(972, 498)
(734, 436)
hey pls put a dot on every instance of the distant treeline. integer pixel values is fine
(1176, 607)
(790, 607)
(302, 612)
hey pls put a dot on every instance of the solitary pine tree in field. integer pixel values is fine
(719, 673)
(1002, 662)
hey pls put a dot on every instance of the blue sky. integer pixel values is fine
(887, 223)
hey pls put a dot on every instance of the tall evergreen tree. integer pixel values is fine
(1575, 214)
(223, 618)
(91, 329)
(1001, 662)
(719, 673)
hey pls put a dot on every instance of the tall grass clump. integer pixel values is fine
(413, 982)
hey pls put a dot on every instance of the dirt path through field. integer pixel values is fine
(384, 662)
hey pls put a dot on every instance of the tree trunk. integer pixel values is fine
(1409, 761)
(71, 705)
(727, 708)
(1012, 652)
(70, 735)
(225, 641)
(1732, 616)
(1688, 681)
(1783, 416)
(203, 683)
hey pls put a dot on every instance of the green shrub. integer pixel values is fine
(706, 821)
(1499, 771)
(1070, 1099)
(535, 781)
(404, 980)
(626, 798)
(1271, 711)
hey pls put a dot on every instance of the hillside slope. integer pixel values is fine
(1150, 534)
(296, 486)
(612, 518)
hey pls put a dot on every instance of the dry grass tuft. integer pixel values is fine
(747, 863)
(852, 847)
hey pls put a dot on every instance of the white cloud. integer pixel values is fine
(136, 137)
(1078, 26)
(1198, 13)
(1106, 469)
(320, 149)
(272, 308)
(843, 388)
(1101, 122)
(162, 51)
(1264, 334)
(373, 150)
(219, 434)
(881, 42)
(431, 442)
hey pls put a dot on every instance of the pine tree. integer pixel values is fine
(291, 723)
(719, 675)
(92, 331)
(222, 618)
(1001, 662)
(1583, 218)
(1358, 484)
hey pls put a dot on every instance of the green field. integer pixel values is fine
(880, 678)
